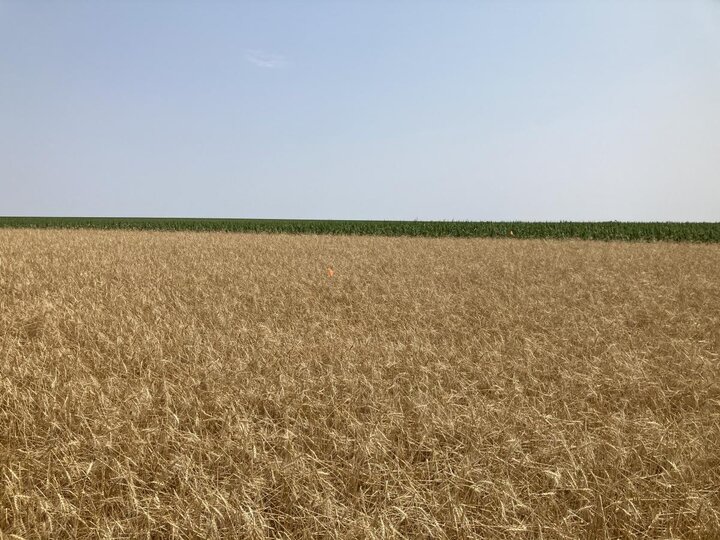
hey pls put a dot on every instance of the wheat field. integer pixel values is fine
(216, 385)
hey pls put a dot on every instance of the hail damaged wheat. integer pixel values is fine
(212, 385)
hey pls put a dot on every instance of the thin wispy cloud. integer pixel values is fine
(265, 59)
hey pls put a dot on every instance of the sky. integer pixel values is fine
(460, 110)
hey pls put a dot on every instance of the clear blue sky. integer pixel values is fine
(532, 110)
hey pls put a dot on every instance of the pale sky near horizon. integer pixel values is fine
(464, 110)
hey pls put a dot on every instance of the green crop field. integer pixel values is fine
(608, 230)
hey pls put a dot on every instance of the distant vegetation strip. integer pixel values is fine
(608, 230)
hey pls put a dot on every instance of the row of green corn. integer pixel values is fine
(608, 230)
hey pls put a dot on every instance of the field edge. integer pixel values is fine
(699, 232)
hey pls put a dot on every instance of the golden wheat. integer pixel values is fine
(212, 385)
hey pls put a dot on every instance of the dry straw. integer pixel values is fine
(211, 385)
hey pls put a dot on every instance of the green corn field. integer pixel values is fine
(605, 230)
